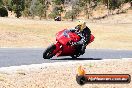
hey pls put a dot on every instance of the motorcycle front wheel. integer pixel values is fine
(48, 53)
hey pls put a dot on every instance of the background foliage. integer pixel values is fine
(52, 8)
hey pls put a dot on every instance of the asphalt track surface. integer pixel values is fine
(27, 56)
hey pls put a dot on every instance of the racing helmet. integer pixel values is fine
(80, 25)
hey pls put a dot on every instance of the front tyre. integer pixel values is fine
(48, 53)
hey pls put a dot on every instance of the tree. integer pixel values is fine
(5, 2)
(114, 4)
(3, 10)
(17, 6)
(88, 6)
(58, 8)
(45, 4)
(71, 14)
(76, 9)
(26, 11)
(9, 5)
(39, 8)
(1, 3)
(58, 2)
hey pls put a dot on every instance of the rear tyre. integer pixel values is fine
(75, 56)
(48, 53)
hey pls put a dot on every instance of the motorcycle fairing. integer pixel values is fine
(64, 37)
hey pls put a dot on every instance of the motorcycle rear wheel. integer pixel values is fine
(48, 53)
(75, 56)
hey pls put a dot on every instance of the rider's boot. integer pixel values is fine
(82, 50)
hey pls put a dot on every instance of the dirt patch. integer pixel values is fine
(26, 33)
(63, 75)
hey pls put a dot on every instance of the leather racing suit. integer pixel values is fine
(85, 39)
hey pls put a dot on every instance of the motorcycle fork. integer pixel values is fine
(59, 49)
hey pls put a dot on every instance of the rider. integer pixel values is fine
(84, 32)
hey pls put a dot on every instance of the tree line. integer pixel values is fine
(46, 9)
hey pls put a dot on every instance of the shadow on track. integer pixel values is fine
(78, 59)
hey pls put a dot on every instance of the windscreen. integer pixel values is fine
(66, 33)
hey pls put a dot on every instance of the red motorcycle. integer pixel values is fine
(63, 46)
